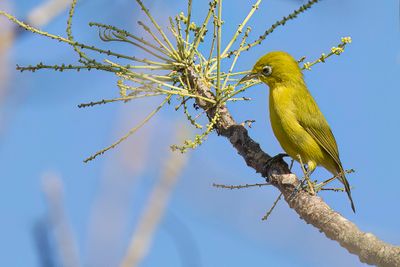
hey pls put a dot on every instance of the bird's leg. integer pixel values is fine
(311, 185)
(307, 174)
(301, 184)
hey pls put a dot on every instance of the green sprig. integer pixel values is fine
(165, 73)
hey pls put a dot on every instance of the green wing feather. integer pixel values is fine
(319, 129)
(324, 137)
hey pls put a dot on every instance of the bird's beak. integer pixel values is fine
(248, 77)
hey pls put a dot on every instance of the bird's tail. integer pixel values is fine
(346, 184)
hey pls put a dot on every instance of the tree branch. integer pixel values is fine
(311, 209)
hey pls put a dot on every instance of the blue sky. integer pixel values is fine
(44, 131)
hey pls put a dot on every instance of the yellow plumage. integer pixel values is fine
(296, 120)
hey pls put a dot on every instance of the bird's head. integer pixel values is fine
(275, 67)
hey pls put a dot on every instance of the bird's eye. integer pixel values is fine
(267, 70)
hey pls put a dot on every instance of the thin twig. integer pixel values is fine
(128, 34)
(202, 29)
(188, 22)
(239, 186)
(154, 22)
(132, 131)
(281, 22)
(266, 216)
(246, 34)
(219, 36)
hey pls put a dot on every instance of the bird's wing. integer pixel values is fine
(319, 129)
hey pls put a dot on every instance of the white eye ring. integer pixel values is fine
(267, 70)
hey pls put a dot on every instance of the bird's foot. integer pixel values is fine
(297, 188)
(310, 185)
(307, 185)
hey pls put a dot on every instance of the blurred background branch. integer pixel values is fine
(46, 12)
(39, 17)
(156, 205)
(66, 245)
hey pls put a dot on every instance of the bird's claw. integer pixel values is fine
(302, 185)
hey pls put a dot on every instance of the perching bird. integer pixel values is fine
(296, 120)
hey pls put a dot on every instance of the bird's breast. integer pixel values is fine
(283, 118)
(284, 106)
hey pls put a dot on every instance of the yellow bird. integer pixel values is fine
(296, 120)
